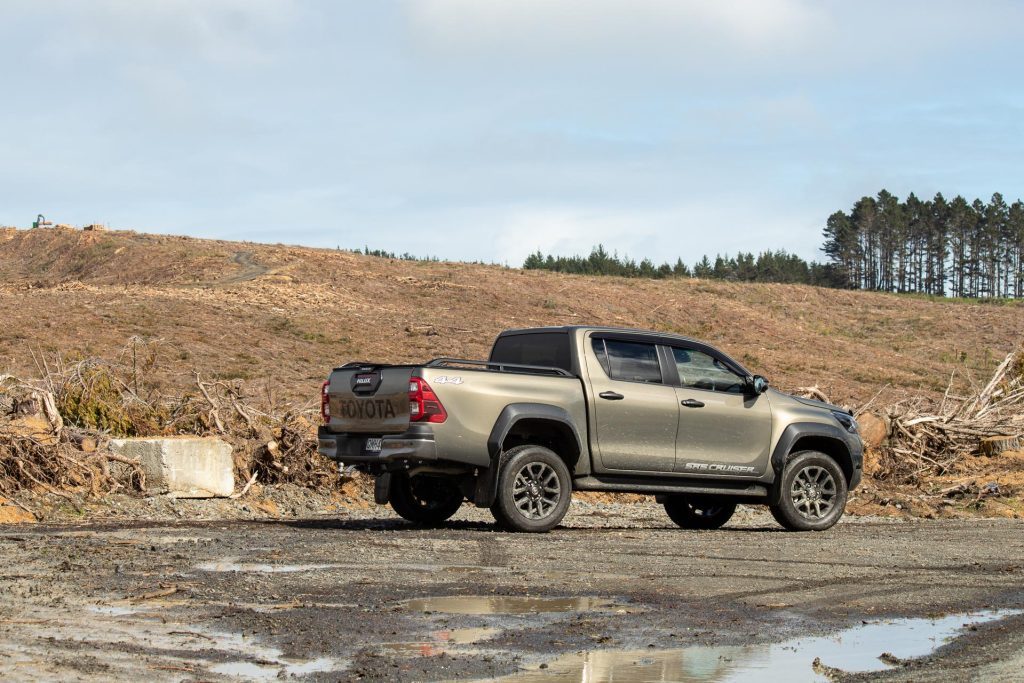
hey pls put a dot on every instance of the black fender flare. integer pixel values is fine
(487, 481)
(799, 430)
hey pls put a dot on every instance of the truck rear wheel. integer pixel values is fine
(534, 490)
(812, 493)
(693, 513)
(425, 500)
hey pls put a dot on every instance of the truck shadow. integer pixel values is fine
(391, 524)
(379, 524)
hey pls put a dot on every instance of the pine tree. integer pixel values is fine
(703, 270)
(864, 217)
(842, 245)
(938, 246)
(1015, 236)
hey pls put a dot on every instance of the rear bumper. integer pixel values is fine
(417, 444)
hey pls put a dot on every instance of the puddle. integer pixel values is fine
(270, 608)
(260, 567)
(466, 636)
(853, 650)
(170, 644)
(500, 604)
(252, 671)
(117, 610)
(441, 642)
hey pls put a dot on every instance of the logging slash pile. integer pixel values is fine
(54, 429)
(939, 438)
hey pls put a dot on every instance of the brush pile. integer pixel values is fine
(37, 449)
(927, 439)
(54, 429)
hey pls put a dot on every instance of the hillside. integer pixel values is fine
(281, 315)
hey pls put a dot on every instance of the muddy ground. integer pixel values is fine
(617, 588)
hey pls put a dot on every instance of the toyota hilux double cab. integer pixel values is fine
(562, 409)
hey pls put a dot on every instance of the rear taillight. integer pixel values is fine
(424, 406)
(325, 402)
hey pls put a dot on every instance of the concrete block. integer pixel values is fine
(182, 467)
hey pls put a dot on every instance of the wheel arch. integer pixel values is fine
(812, 436)
(528, 423)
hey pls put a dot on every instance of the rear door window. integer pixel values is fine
(628, 361)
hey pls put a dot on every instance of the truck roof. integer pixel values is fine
(631, 331)
(601, 328)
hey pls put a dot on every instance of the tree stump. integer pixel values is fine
(994, 445)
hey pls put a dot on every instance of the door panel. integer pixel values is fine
(721, 429)
(636, 432)
(730, 429)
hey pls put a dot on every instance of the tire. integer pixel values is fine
(534, 490)
(812, 493)
(425, 500)
(694, 513)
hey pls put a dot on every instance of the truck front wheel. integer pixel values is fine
(693, 513)
(812, 493)
(534, 490)
(425, 500)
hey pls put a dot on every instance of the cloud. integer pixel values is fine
(602, 24)
(219, 32)
(487, 129)
(755, 38)
(611, 30)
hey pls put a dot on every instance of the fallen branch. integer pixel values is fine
(162, 593)
(245, 489)
(214, 406)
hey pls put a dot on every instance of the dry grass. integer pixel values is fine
(278, 317)
(54, 429)
(262, 324)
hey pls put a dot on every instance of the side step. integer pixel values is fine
(738, 489)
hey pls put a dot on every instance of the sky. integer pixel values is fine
(486, 130)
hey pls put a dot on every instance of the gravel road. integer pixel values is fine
(616, 590)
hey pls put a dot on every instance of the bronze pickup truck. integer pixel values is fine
(562, 409)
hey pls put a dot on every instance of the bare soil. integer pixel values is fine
(289, 581)
(280, 316)
(326, 597)
(273, 318)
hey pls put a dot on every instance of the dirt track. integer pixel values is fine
(324, 598)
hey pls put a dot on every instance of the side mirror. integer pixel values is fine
(758, 384)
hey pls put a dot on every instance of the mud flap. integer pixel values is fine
(382, 489)
(486, 489)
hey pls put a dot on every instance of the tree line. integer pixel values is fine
(937, 247)
(768, 266)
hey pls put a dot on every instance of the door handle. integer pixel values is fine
(692, 403)
(611, 396)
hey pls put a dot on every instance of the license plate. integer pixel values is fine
(373, 445)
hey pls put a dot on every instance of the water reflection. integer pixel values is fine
(853, 650)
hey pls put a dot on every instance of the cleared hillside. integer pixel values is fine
(279, 316)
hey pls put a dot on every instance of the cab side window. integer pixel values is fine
(698, 370)
(628, 361)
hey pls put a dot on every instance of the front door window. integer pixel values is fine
(698, 370)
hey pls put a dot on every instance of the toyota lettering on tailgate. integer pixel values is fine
(366, 409)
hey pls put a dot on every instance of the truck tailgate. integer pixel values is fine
(371, 399)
